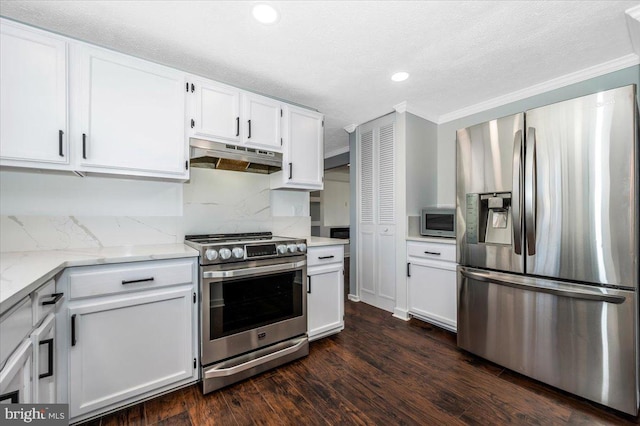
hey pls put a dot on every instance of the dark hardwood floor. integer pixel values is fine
(378, 371)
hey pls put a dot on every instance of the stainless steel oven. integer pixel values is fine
(253, 305)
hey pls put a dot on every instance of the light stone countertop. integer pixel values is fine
(324, 241)
(23, 272)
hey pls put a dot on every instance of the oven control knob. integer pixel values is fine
(211, 254)
(225, 253)
(292, 248)
(238, 252)
(282, 249)
(302, 247)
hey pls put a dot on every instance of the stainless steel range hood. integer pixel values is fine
(217, 155)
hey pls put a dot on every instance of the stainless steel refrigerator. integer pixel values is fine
(547, 239)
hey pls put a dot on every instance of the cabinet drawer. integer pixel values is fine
(15, 325)
(325, 255)
(435, 251)
(112, 279)
(44, 301)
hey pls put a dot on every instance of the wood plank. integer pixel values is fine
(207, 410)
(163, 407)
(248, 406)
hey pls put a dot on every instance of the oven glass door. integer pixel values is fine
(240, 304)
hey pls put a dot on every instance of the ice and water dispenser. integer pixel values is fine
(488, 218)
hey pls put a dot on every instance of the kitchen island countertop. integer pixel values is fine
(23, 272)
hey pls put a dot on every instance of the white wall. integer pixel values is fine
(335, 203)
(44, 211)
(447, 131)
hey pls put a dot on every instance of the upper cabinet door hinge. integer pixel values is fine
(193, 88)
(194, 364)
(280, 112)
(322, 123)
(193, 123)
(187, 86)
(194, 297)
(186, 165)
(280, 141)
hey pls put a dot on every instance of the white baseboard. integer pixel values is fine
(401, 314)
(354, 298)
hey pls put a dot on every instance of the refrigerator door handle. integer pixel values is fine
(521, 283)
(516, 205)
(530, 191)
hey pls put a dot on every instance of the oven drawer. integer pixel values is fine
(325, 255)
(113, 279)
(435, 251)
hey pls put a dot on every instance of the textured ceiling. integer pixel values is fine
(337, 56)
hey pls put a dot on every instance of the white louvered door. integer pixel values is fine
(376, 250)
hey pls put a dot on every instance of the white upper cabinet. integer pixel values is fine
(214, 110)
(261, 118)
(132, 116)
(303, 160)
(33, 95)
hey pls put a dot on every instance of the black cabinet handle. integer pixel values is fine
(249, 137)
(49, 372)
(290, 170)
(125, 282)
(73, 330)
(408, 270)
(84, 146)
(326, 257)
(308, 283)
(55, 297)
(237, 126)
(435, 253)
(13, 397)
(60, 134)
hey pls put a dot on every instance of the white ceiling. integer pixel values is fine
(337, 56)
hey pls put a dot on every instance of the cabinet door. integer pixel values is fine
(432, 293)
(261, 117)
(132, 116)
(125, 346)
(15, 376)
(325, 300)
(303, 148)
(44, 377)
(216, 111)
(33, 96)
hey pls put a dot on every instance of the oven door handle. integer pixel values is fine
(220, 371)
(258, 270)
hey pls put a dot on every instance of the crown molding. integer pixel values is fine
(401, 107)
(556, 83)
(350, 128)
(405, 107)
(633, 12)
(633, 25)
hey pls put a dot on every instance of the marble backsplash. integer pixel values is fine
(151, 213)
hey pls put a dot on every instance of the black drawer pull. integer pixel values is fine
(12, 397)
(409, 270)
(84, 146)
(326, 257)
(309, 284)
(237, 126)
(125, 282)
(55, 297)
(249, 137)
(435, 253)
(49, 372)
(290, 170)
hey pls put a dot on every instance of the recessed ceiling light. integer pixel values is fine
(265, 13)
(400, 76)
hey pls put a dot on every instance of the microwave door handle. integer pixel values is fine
(516, 205)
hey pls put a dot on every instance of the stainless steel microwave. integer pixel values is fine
(438, 222)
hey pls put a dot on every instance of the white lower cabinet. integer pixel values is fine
(44, 374)
(15, 376)
(325, 291)
(431, 277)
(130, 333)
